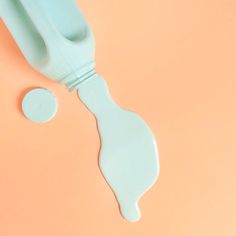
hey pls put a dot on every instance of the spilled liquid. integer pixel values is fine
(128, 155)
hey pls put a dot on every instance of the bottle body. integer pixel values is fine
(54, 38)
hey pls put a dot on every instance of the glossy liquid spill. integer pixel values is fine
(128, 155)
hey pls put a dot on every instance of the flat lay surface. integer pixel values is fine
(172, 62)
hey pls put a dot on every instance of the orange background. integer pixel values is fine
(171, 61)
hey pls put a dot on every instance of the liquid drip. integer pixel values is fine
(128, 155)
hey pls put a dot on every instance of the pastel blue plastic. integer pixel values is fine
(53, 36)
(57, 41)
(39, 105)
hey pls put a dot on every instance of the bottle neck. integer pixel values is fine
(75, 78)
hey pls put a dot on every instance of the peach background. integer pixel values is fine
(171, 61)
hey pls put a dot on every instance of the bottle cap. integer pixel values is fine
(39, 105)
